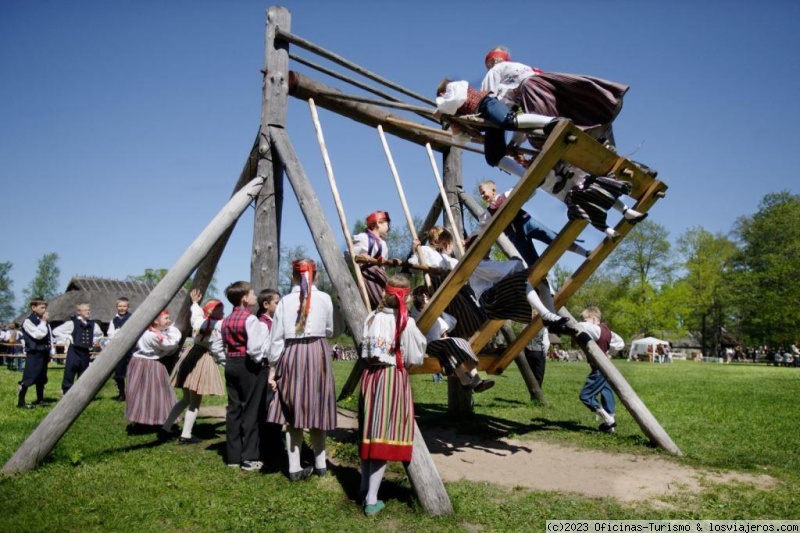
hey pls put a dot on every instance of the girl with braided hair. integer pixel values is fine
(392, 344)
(300, 370)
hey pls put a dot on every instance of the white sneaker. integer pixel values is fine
(252, 466)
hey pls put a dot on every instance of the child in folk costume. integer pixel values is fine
(81, 333)
(300, 369)
(587, 197)
(119, 320)
(500, 287)
(196, 372)
(392, 344)
(372, 243)
(267, 303)
(243, 336)
(596, 384)
(150, 398)
(454, 353)
(38, 348)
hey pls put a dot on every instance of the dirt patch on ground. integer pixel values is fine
(556, 467)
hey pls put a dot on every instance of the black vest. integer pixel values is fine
(119, 321)
(36, 345)
(82, 333)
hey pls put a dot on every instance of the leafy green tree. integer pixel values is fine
(6, 293)
(707, 260)
(765, 280)
(45, 284)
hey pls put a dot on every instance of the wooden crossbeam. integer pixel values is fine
(554, 148)
(430, 365)
(578, 278)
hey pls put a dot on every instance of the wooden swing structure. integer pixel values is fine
(261, 180)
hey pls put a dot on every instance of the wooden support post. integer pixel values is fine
(425, 479)
(57, 422)
(647, 422)
(265, 259)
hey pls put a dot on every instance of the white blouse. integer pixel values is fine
(434, 259)
(378, 337)
(455, 94)
(319, 323)
(504, 79)
(151, 345)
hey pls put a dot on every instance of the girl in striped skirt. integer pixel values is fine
(197, 372)
(300, 370)
(150, 397)
(392, 343)
(454, 353)
(372, 243)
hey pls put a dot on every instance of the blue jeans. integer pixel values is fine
(494, 143)
(523, 230)
(596, 385)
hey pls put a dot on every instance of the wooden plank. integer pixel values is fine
(553, 149)
(578, 278)
(591, 156)
(39, 444)
(430, 365)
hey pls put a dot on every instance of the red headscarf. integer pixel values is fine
(378, 216)
(502, 54)
(306, 268)
(207, 310)
(401, 293)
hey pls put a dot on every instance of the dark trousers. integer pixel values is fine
(76, 364)
(120, 372)
(35, 373)
(246, 382)
(536, 360)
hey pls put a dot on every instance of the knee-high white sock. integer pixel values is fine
(175, 413)
(620, 206)
(512, 167)
(626, 211)
(318, 445)
(188, 423)
(377, 469)
(532, 120)
(536, 303)
(607, 418)
(294, 442)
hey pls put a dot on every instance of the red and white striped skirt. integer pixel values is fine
(149, 396)
(386, 414)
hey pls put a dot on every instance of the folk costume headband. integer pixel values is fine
(497, 54)
(378, 216)
(158, 332)
(401, 293)
(306, 269)
(210, 306)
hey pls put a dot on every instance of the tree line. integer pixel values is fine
(746, 281)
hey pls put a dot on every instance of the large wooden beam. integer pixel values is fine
(638, 410)
(57, 422)
(556, 145)
(303, 87)
(265, 258)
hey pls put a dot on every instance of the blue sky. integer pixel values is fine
(123, 125)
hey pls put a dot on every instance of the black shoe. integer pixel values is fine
(301, 475)
(190, 440)
(560, 184)
(607, 428)
(26, 406)
(559, 327)
(119, 398)
(484, 385)
(320, 472)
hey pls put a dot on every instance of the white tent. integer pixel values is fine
(647, 349)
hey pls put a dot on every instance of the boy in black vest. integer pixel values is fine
(82, 333)
(596, 384)
(38, 344)
(122, 316)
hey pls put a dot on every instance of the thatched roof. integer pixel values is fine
(102, 295)
(694, 340)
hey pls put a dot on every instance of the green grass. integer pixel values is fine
(99, 477)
